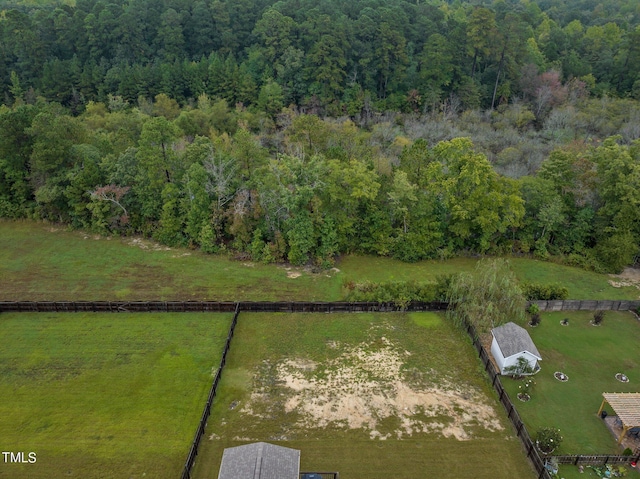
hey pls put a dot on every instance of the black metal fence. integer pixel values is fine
(193, 451)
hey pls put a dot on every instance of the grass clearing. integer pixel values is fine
(368, 395)
(39, 261)
(591, 356)
(104, 394)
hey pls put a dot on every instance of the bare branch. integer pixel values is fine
(221, 172)
(112, 193)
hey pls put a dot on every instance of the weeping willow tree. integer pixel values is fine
(486, 298)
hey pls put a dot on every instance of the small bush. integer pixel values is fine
(535, 319)
(398, 292)
(544, 292)
(548, 439)
(533, 309)
(527, 386)
(598, 317)
(521, 368)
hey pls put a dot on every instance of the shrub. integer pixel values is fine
(207, 239)
(544, 292)
(533, 309)
(398, 292)
(257, 246)
(548, 439)
(521, 368)
(527, 385)
(598, 317)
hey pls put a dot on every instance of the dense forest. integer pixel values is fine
(329, 56)
(295, 131)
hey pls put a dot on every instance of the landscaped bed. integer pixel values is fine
(105, 395)
(368, 395)
(589, 357)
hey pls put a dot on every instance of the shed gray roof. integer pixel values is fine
(260, 460)
(512, 339)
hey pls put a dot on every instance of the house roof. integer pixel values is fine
(260, 460)
(512, 339)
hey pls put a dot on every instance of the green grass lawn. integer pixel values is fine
(257, 402)
(39, 261)
(590, 356)
(105, 395)
(569, 471)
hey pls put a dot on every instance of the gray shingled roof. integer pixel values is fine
(260, 461)
(512, 339)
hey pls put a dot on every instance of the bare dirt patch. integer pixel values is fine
(291, 272)
(366, 385)
(147, 245)
(628, 277)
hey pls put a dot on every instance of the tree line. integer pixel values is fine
(306, 189)
(327, 57)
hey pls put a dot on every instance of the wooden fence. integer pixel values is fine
(587, 305)
(594, 459)
(512, 413)
(323, 475)
(118, 306)
(330, 307)
(193, 450)
(214, 306)
(282, 306)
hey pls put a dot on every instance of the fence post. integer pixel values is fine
(542, 471)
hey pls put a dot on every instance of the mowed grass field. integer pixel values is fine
(367, 395)
(104, 395)
(591, 356)
(39, 261)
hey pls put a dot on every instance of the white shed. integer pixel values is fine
(511, 342)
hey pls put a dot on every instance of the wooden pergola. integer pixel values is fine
(626, 406)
